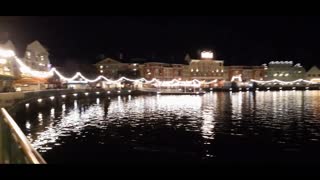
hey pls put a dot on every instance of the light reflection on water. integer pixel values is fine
(207, 126)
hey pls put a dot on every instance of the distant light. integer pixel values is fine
(97, 92)
(158, 92)
(63, 96)
(210, 88)
(240, 89)
(206, 55)
(197, 92)
(129, 91)
(101, 67)
(52, 97)
(108, 92)
(86, 94)
(293, 87)
(119, 91)
(230, 89)
(6, 53)
(39, 100)
(247, 89)
(307, 88)
(257, 88)
(268, 88)
(3, 61)
(280, 87)
(75, 94)
(27, 105)
(101, 71)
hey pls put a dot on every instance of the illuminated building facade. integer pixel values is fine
(7, 70)
(162, 71)
(37, 57)
(114, 69)
(206, 68)
(246, 72)
(313, 74)
(284, 71)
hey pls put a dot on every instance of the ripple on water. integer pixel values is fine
(218, 120)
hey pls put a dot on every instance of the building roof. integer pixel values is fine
(8, 45)
(108, 61)
(36, 46)
(313, 70)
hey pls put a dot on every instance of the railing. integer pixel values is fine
(14, 145)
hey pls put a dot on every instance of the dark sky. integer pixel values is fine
(247, 40)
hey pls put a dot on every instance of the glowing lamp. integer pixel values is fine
(206, 54)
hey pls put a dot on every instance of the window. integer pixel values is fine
(28, 53)
(3, 61)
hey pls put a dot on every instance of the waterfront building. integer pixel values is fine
(37, 58)
(7, 70)
(313, 74)
(206, 68)
(115, 69)
(246, 72)
(284, 71)
(162, 71)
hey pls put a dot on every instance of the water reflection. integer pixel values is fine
(207, 126)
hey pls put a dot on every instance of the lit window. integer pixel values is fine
(280, 74)
(6, 69)
(3, 61)
(101, 67)
(286, 74)
(275, 74)
(28, 54)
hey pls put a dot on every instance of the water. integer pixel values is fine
(216, 126)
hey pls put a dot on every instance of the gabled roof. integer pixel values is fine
(108, 61)
(37, 46)
(314, 70)
(8, 45)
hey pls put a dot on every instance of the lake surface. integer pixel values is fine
(282, 125)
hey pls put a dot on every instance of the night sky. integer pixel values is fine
(239, 40)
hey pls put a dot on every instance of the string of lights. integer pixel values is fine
(83, 80)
